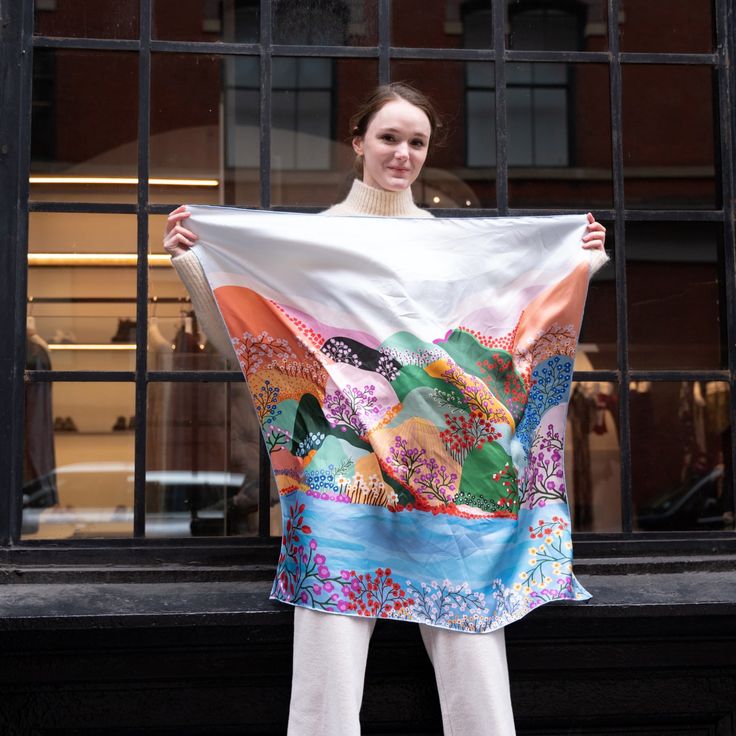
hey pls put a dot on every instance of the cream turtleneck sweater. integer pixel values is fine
(362, 200)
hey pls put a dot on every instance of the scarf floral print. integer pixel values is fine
(411, 379)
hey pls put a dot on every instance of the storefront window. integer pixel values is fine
(202, 466)
(86, 18)
(676, 299)
(84, 134)
(668, 136)
(210, 155)
(681, 455)
(593, 456)
(312, 101)
(648, 450)
(78, 462)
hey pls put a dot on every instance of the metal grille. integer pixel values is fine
(19, 44)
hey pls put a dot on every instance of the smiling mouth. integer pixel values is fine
(395, 168)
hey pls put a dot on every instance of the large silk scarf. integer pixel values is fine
(411, 378)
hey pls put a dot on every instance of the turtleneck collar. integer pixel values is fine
(366, 200)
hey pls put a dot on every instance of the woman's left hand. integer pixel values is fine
(595, 238)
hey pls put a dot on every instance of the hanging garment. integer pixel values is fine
(39, 456)
(411, 379)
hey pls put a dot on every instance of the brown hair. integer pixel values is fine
(382, 95)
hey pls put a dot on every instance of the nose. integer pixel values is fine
(402, 150)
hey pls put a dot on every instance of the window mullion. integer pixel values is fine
(622, 349)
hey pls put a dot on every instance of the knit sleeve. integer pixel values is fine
(190, 272)
(598, 259)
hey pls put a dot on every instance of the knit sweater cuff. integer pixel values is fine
(598, 259)
(190, 271)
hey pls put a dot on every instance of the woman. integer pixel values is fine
(391, 137)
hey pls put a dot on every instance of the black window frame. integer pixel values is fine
(17, 45)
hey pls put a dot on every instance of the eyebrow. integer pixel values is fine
(396, 130)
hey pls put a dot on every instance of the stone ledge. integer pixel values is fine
(27, 607)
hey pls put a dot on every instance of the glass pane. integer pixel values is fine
(311, 152)
(668, 136)
(598, 339)
(176, 338)
(446, 25)
(681, 456)
(86, 18)
(202, 461)
(579, 27)
(559, 135)
(461, 171)
(231, 21)
(84, 134)
(673, 26)
(325, 22)
(81, 289)
(592, 457)
(79, 455)
(211, 154)
(675, 292)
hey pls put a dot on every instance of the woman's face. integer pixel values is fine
(394, 147)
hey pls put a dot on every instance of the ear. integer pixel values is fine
(358, 145)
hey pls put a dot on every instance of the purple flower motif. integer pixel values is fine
(345, 574)
(304, 596)
(342, 605)
(346, 590)
(355, 585)
(324, 571)
(317, 589)
(334, 597)
(304, 559)
(319, 559)
(329, 587)
(313, 543)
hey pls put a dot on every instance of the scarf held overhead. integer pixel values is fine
(411, 378)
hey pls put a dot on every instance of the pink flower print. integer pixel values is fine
(313, 543)
(317, 589)
(342, 605)
(345, 574)
(319, 559)
(304, 596)
(329, 587)
(324, 571)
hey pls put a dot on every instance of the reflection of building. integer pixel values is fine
(208, 102)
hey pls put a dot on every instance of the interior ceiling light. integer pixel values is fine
(91, 346)
(117, 180)
(95, 259)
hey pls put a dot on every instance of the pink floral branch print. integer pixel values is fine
(405, 460)
(255, 350)
(435, 482)
(544, 478)
(304, 574)
(276, 437)
(350, 406)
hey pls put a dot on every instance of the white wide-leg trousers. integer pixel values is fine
(330, 652)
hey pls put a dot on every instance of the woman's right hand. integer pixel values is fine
(177, 239)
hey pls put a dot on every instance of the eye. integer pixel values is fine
(418, 142)
(387, 137)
